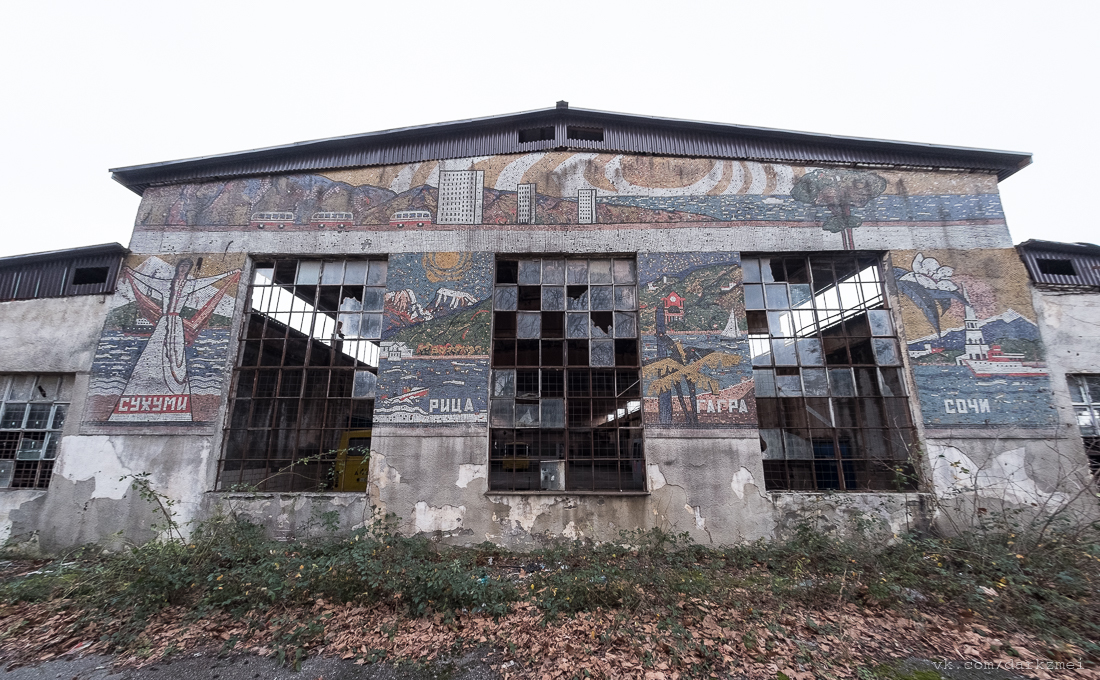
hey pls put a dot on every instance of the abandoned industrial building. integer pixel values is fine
(549, 325)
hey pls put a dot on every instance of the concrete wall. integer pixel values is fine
(49, 335)
(945, 232)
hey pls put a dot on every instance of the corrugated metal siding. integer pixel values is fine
(53, 278)
(1087, 267)
(622, 134)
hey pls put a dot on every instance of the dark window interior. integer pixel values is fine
(538, 134)
(566, 406)
(84, 276)
(1056, 267)
(587, 134)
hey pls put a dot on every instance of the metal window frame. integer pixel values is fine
(32, 474)
(831, 454)
(281, 459)
(625, 431)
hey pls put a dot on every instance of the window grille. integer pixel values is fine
(830, 393)
(566, 407)
(1084, 390)
(32, 415)
(303, 398)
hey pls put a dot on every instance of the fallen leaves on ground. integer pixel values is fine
(701, 639)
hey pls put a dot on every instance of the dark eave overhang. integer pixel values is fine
(68, 253)
(622, 133)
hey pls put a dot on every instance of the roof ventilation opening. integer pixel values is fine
(1056, 267)
(539, 134)
(585, 134)
(85, 276)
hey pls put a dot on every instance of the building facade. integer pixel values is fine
(612, 322)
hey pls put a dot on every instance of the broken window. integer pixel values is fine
(302, 407)
(32, 415)
(830, 392)
(1084, 390)
(566, 401)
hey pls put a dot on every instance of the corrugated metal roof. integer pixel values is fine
(55, 273)
(1051, 263)
(621, 133)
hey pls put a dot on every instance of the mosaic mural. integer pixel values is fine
(163, 354)
(696, 371)
(435, 339)
(579, 189)
(972, 338)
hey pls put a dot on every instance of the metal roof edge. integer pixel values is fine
(1079, 248)
(82, 251)
(138, 177)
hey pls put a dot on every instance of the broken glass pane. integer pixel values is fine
(780, 324)
(788, 385)
(45, 388)
(771, 444)
(576, 297)
(527, 415)
(760, 348)
(576, 325)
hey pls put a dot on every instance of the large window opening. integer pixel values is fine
(1084, 390)
(830, 393)
(566, 409)
(32, 415)
(301, 413)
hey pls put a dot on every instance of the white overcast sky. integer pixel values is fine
(92, 85)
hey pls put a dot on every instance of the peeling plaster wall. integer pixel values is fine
(703, 480)
(48, 335)
(711, 488)
(87, 502)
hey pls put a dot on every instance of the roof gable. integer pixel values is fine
(564, 128)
